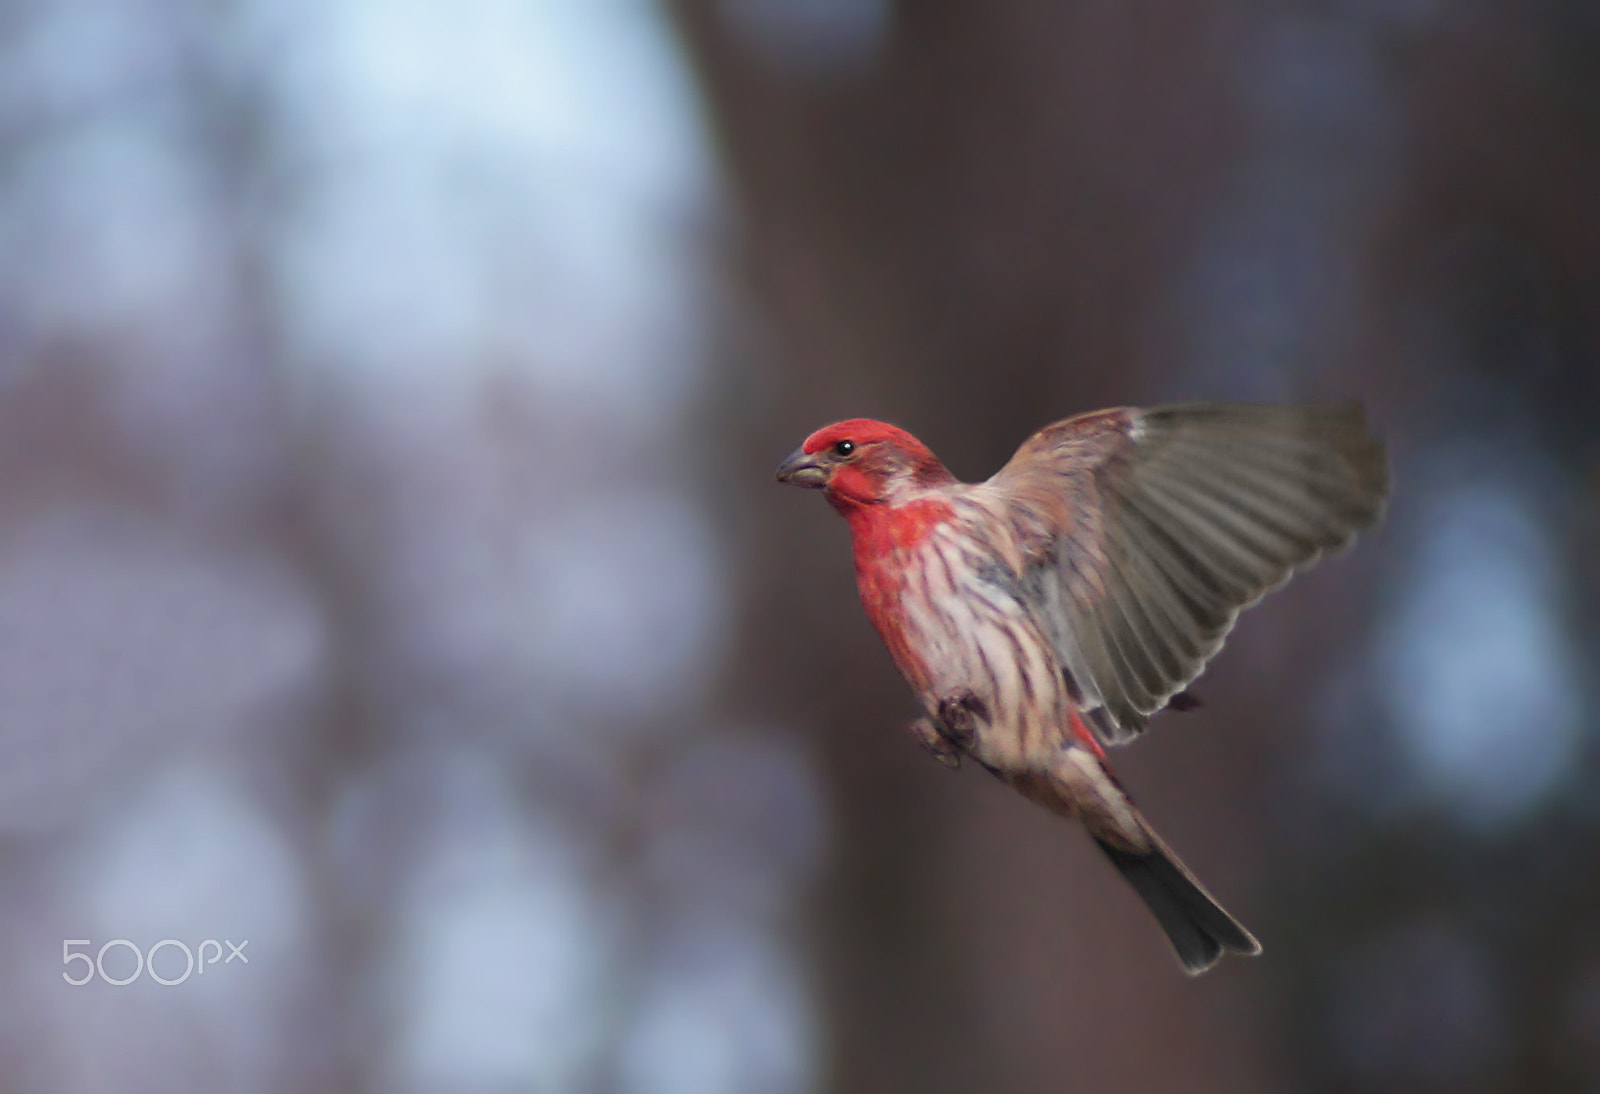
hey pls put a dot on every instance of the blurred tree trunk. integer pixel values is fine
(969, 238)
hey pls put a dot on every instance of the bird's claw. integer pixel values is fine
(958, 715)
(937, 744)
(953, 728)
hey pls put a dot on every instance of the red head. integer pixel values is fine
(863, 462)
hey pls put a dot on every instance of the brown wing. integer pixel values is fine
(1146, 532)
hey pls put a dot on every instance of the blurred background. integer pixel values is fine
(392, 577)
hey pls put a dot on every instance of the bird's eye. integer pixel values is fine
(844, 448)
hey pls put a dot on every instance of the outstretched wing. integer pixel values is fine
(1144, 533)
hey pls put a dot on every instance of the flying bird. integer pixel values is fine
(1047, 613)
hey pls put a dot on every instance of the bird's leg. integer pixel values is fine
(938, 746)
(957, 717)
(952, 729)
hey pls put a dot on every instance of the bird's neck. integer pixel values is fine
(884, 537)
(881, 531)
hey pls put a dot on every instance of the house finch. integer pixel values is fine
(1050, 611)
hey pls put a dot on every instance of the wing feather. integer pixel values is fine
(1146, 532)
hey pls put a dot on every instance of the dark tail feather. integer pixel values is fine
(1081, 785)
(1198, 926)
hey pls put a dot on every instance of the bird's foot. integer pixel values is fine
(958, 715)
(938, 746)
(953, 728)
(1185, 700)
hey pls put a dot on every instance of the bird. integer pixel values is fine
(1045, 615)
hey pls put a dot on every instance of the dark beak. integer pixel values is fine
(803, 470)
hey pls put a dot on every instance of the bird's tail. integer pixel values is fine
(1200, 929)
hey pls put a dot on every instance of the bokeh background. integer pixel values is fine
(391, 574)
